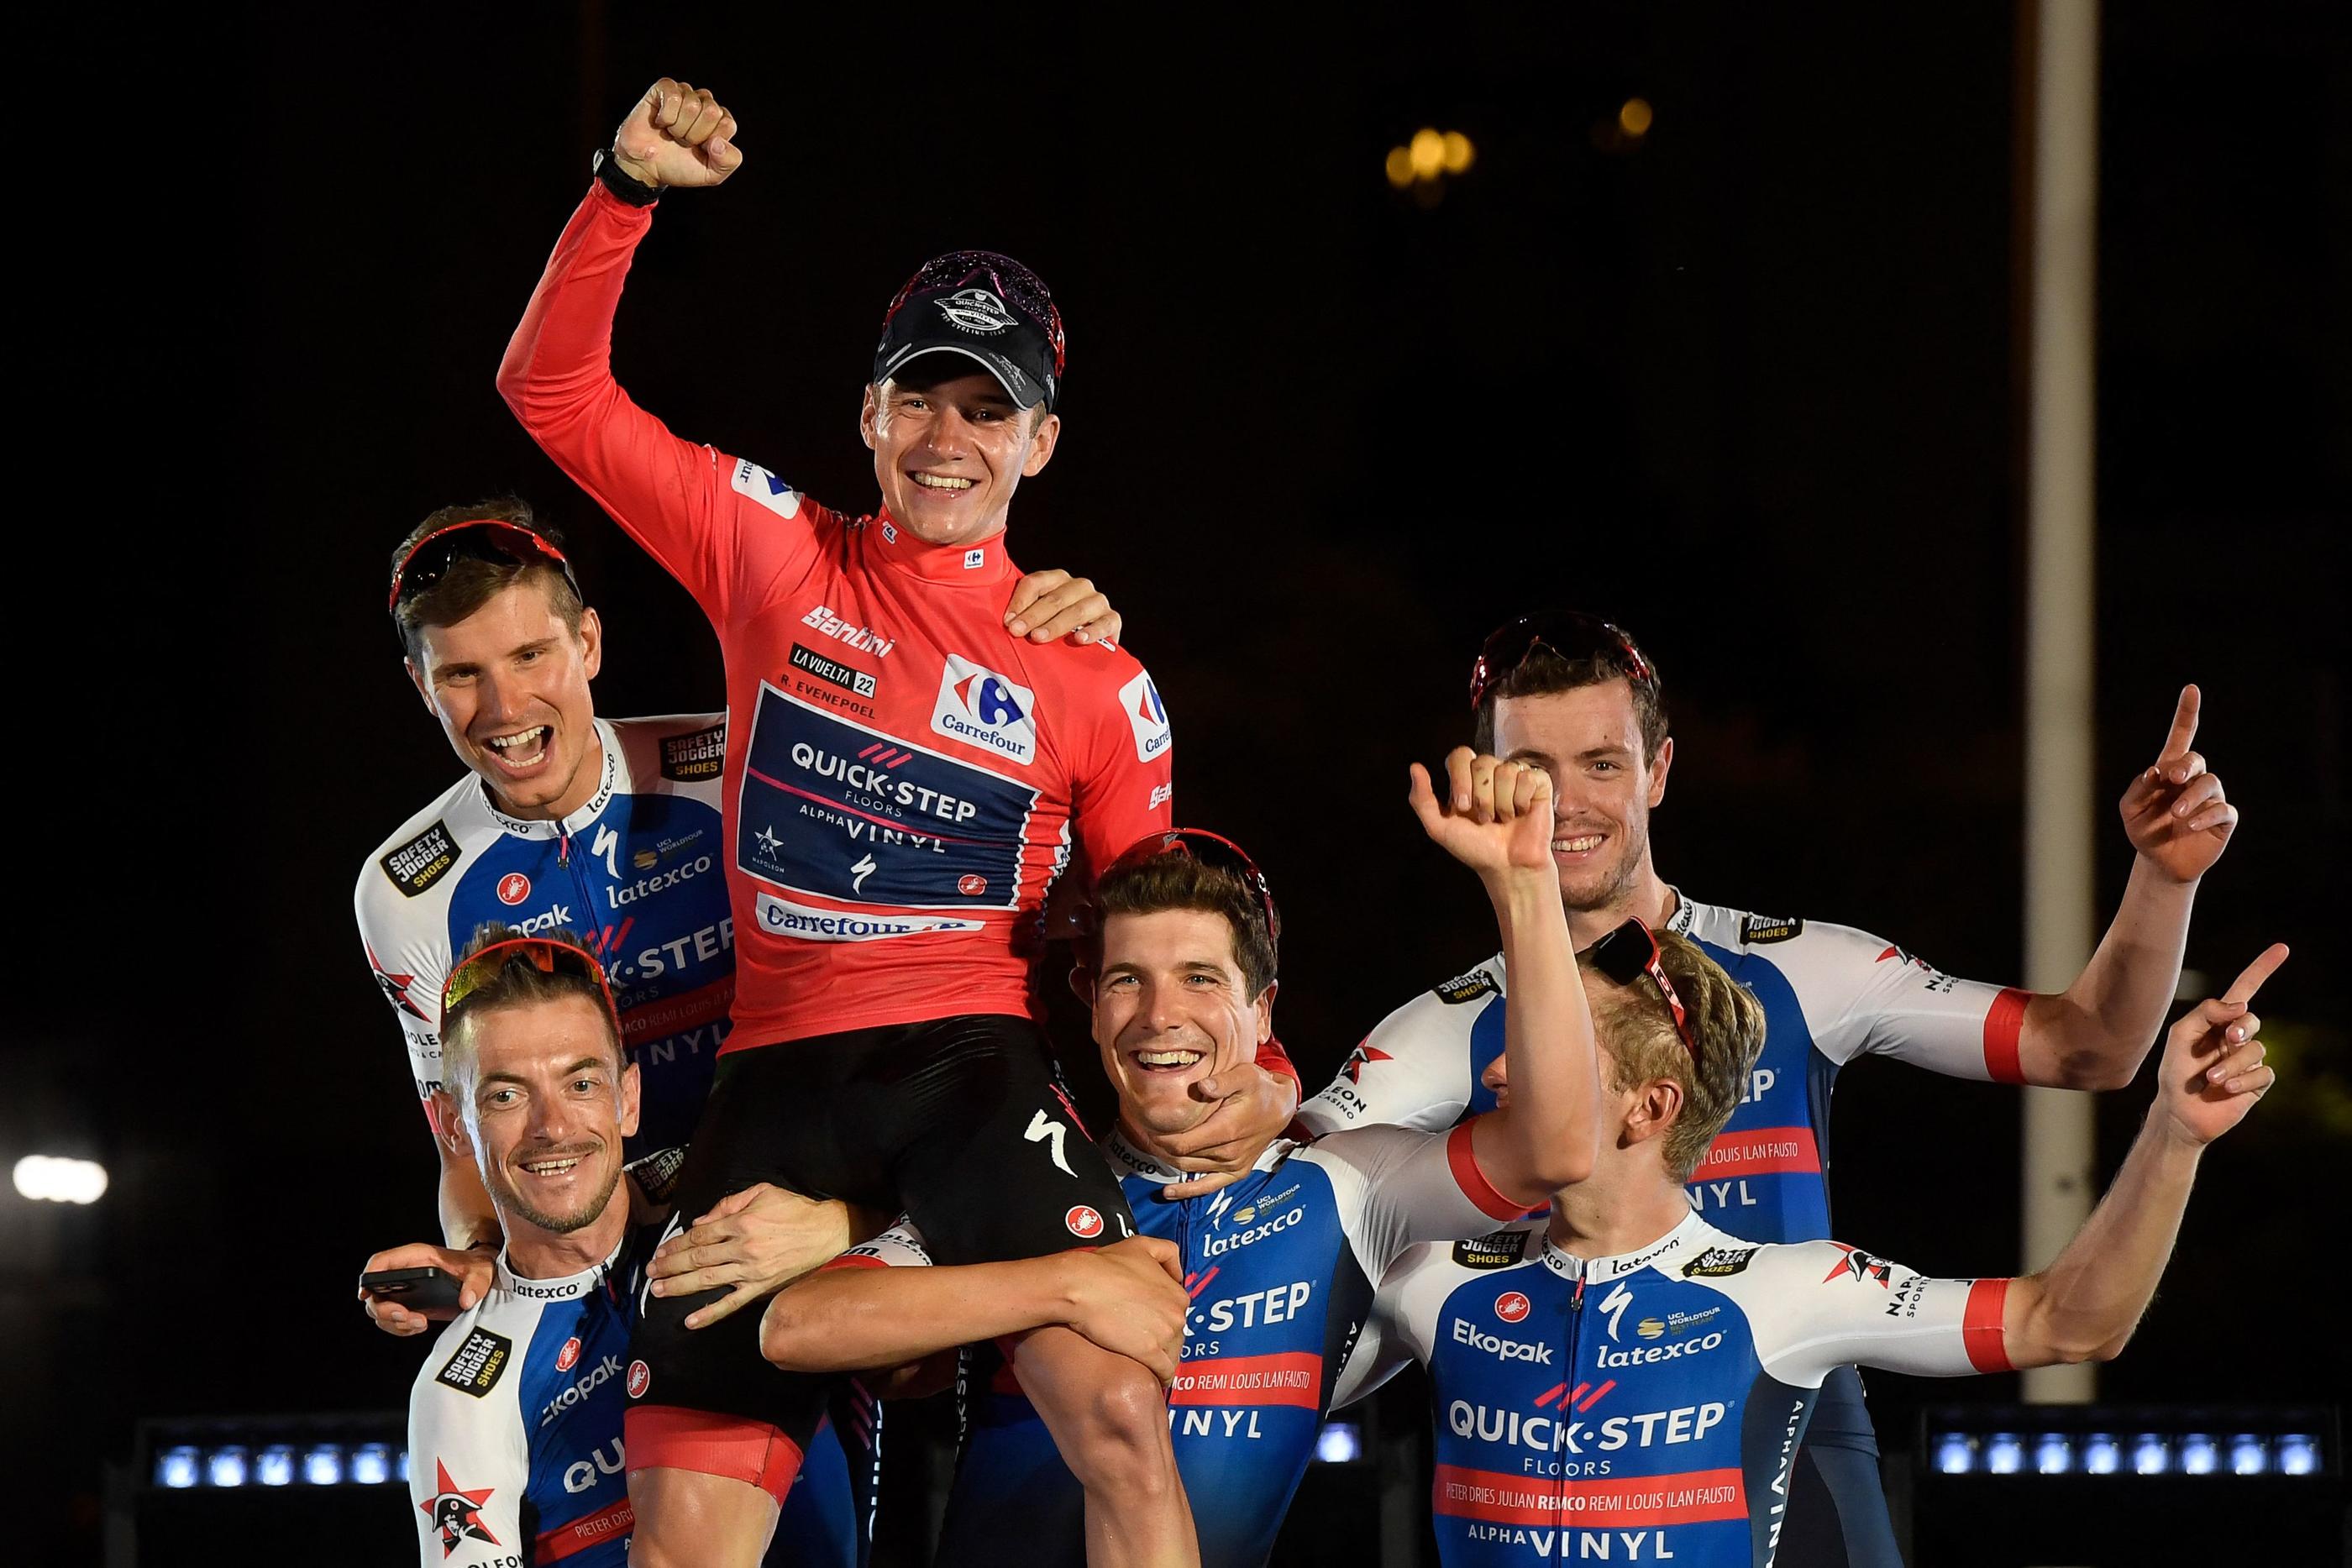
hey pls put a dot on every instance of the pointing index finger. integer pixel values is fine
(2241, 989)
(2184, 723)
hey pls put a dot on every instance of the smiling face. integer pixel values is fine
(1588, 739)
(509, 686)
(1171, 1006)
(546, 1104)
(949, 455)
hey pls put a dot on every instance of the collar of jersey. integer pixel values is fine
(974, 565)
(570, 1287)
(1691, 1232)
(1128, 1160)
(614, 783)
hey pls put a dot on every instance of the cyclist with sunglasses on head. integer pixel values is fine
(610, 827)
(1279, 1266)
(1624, 1381)
(514, 1423)
(905, 786)
(1574, 696)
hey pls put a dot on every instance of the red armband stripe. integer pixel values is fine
(853, 1260)
(664, 1437)
(2003, 1024)
(1981, 1326)
(1463, 1162)
(1276, 1061)
(607, 1523)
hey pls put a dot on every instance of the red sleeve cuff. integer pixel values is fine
(1276, 1061)
(1472, 1181)
(853, 1260)
(2003, 1025)
(1981, 1326)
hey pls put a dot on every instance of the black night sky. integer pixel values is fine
(1750, 383)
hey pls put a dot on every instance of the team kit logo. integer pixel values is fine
(981, 708)
(1147, 715)
(456, 1513)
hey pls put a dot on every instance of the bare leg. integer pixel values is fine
(1109, 1418)
(688, 1519)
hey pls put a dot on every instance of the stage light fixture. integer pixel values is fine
(48, 1179)
(1339, 1443)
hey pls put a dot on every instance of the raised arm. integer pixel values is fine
(2094, 1033)
(2085, 1306)
(880, 1306)
(1545, 1136)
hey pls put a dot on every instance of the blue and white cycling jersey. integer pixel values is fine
(1280, 1266)
(1648, 1407)
(636, 871)
(1830, 994)
(514, 1424)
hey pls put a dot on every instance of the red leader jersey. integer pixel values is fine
(905, 778)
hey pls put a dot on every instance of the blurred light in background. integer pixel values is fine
(2087, 1440)
(1339, 1443)
(49, 1179)
(1422, 164)
(1634, 118)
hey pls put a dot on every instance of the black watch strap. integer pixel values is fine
(616, 180)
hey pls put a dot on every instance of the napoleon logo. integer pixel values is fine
(1147, 715)
(1758, 929)
(395, 986)
(477, 1364)
(983, 708)
(1719, 1263)
(456, 1513)
(688, 758)
(1363, 1056)
(423, 860)
(1468, 988)
(1861, 1265)
(975, 310)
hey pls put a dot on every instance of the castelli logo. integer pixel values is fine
(513, 887)
(1511, 1306)
(640, 1375)
(569, 1356)
(971, 884)
(1084, 1222)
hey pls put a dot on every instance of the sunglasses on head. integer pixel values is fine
(1629, 952)
(548, 956)
(1569, 635)
(1210, 850)
(479, 539)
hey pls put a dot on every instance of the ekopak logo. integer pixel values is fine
(513, 888)
(1512, 1306)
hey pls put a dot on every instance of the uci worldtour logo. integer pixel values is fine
(983, 708)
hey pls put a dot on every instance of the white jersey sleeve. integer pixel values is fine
(900, 1247)
(1864, 995)
(468, 1451)
(1414, 1069)
(408, 951)
(1394, 1186)
(1815, 1305)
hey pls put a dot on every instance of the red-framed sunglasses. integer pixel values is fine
(478, 539)
(1570, 634)
(541, 953)
(1629, 952)
(1211, 849)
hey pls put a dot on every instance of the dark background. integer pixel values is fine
(1750, 384)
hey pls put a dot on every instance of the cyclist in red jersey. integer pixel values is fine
(910, 783)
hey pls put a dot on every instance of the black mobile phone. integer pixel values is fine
(419, 1289)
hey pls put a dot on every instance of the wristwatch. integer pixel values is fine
(617, 180)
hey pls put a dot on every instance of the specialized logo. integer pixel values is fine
(832, 672)
(1467, 987)
(513, 888)
(569, 1356)
(456, 1513)
(1861, 1265)
(423, 860)
(1147, 715)
(1532, 1352)
(1500, 1250)
(395, 986)
(1085, 1223)
(475, 1366)
(860, 872)
(1363, 1056)
(641, 1378)
(864, 639)
(764, 488)
(1757, 930)
(1614, 1305)
(691, 759)
(1719, 1263)
(975, 310)
(606, 847)
(983, 708)
(1043, 1129)
(1511, 1306)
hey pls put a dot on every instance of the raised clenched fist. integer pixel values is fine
(677, 134)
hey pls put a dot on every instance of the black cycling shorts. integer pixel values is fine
(960, 1124)
(1837, 1502)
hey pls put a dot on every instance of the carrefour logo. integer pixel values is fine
(1147, 715)
(981, 708)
